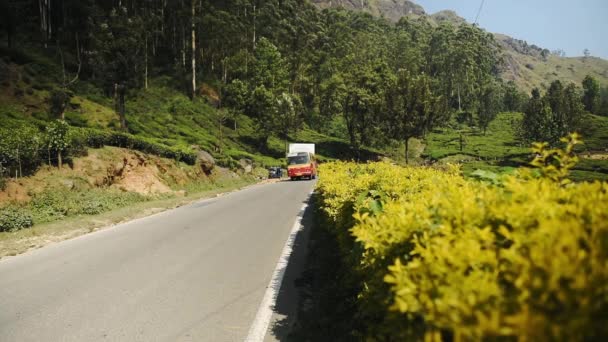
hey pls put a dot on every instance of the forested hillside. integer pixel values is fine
(241, 78)
(528, 65)
(389, 9)
(283, 64)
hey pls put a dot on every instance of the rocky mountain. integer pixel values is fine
(393, 10)
(531, 66)
(526, 64)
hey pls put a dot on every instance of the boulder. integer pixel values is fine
(206, 160)
(246, 165)
(69, 184)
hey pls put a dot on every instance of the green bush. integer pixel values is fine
(75, 120)
(24, 144)
(13, 218)
(59, 100)
(20, 149)
(82, 138)
(16, 56)
(54, 204)
(227, 162)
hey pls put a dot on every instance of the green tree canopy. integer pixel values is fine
(591, 94)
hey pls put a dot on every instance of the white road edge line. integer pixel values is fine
(257, 331)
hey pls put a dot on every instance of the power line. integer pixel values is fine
(479, 11)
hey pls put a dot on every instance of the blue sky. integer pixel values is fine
(571, 25)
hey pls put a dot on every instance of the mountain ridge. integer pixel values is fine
(392, 10)
(528, 65)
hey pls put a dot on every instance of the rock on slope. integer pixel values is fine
(390, 9)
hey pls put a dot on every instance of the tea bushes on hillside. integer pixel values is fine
(20, 150)
(13, 218)
(56, 203)
(24, 149)
(84, 137)
(526, 259)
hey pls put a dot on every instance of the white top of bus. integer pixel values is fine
(295, 148)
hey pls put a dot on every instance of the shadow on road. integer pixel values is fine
(288, 299)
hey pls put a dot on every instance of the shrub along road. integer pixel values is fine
(197, 273)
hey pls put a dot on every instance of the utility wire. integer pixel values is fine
(479, 11)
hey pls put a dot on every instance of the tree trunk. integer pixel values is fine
(49, 21)
(42, 6)
(225, 73)
(62, 114)
(59, 159)
(116, 109)
(183, 48)
(19, 162)
(461, 141)
(9, 35)
(123, 119)
(193, 49)
(254, 24)
(119, 98)
(459, 107)
(162, 15)
(146, 64)
(221, 131)
(407, 150)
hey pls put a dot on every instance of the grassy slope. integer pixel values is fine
(160, 113)
(167, 116)
(555, 68)
(499, 150)
(125, 207)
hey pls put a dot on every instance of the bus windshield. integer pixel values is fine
(297, 160)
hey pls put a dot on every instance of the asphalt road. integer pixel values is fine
(196, 273)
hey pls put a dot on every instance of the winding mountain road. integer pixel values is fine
(196, 273)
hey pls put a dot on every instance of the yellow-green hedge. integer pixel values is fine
(526, 259)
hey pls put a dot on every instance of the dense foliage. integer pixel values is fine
(557, 113)
(23, 149)
(283, 63)
(13, 218)
(431, 254)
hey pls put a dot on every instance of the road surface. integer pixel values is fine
(196, 273)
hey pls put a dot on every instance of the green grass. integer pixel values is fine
(587, 176)
(499, 150)
(160, 114)
(542, 73)
(13, 243)
(595, 133)
(58, 203)
(163, 115)
(498, 142)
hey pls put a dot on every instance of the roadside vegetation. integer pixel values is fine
(519, 256)
(106, 186)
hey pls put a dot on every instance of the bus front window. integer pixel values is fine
(297, 160)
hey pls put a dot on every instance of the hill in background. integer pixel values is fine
(390, 9)
(528, 65)
(531, 66)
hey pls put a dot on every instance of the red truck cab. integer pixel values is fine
(301, 165)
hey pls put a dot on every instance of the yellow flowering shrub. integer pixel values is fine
(527, 259)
